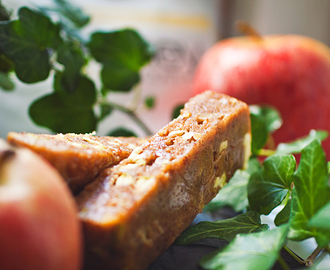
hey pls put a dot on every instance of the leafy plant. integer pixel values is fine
(302, 189)
(48, 42)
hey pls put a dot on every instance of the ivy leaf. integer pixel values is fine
(4, 13)
(251, 251)
(269, 115)
(122, 132)
(298, 145)
(73, 60)
(123, 53)
(224, 229)
(5, 82)
(311, 192)
(259, 134)
(106, 110)
(234, 194)
(67, 112)
(269, 187)
(322, 218)
(5, 64)
(264, 120)
(72, 13)
(149, 102)
(25, 42)
(283, 216)
(177, 110)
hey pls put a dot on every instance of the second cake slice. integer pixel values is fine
(134, 211)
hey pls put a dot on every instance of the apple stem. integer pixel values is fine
(246, 29)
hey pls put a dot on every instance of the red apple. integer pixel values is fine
(39, 226)
(289, 72)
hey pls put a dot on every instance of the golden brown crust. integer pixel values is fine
(78, 157)
(135, 210)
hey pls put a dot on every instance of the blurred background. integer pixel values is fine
(181, 31)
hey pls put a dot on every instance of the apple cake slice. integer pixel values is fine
(78, 157)
(134, 211)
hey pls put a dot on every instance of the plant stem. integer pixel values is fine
(283, 263)
(310, 260)
(132, 114)
(266, 152)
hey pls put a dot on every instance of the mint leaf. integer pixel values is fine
(225, 229)
(123, 53)
(251, 251)
(298, 145)
(283, 216)
(25, 42)
(66, 112)
(269, 187)
(234, 194)
(311, 192)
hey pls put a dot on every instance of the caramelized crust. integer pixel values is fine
(78, 157)
(134, 211)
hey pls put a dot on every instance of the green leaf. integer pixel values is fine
(269, 187)
(67, 112)
(74, 14)
(264, 120)
(6, 65)
(5, 82)
(25, 42)
(298, 145)
(257, 251)
(253, 165)
(328, 166)
(259, 134)
(234, 194)
(119, 78)
(122, 132)
(322, 218)
(224, 229)
(321, 221)
(283, 216)
(177, 110)
(73, 60)
(269, 115)
(311, 192)
(4, 13)
(149, 102)
(123, 53)
(106, 110)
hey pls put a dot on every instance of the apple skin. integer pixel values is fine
(289, 72)
(39, 225)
